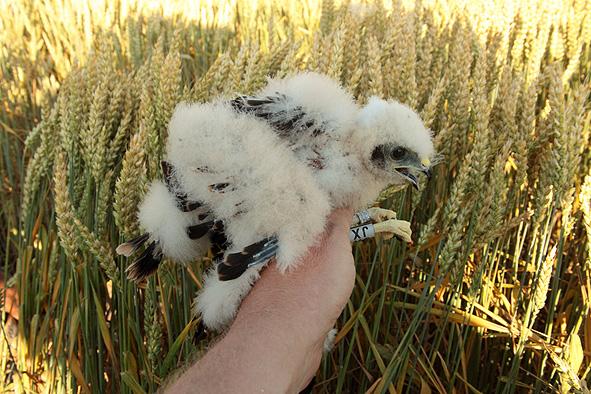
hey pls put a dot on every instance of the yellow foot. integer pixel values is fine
(384, 223)
(379, 214)
(390, 228)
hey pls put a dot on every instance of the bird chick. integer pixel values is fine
(256, 177)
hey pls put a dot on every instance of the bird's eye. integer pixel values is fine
(398, 153)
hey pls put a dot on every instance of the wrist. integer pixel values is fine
(282, 348)
(284, 327)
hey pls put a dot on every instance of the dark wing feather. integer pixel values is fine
(218, 240)
(173, 185)
(199, 230)
(234, 264)
(285, 117)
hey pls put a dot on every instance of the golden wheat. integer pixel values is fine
(503, 242)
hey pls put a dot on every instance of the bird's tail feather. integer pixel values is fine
(146, 264)
(128, 248)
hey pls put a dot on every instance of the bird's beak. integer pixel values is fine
(409, 177)
(424, 166)
(413, 181)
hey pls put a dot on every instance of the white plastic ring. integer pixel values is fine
(362, 232)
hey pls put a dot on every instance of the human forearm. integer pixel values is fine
(275, 343)
(262, 352)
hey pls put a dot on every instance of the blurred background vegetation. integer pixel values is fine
(492, 297)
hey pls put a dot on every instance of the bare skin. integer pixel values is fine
(275, 344)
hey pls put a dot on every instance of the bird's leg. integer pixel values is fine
(360, 217)
(384, 223)
(374, 215)
(379, 214)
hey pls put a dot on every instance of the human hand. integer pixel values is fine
(307, 300)
(276, 341)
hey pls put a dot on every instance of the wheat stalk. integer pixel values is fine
(88, 92)
(129, 188)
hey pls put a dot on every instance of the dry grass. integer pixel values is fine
(494, 297)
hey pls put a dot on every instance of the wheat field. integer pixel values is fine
(492, 297)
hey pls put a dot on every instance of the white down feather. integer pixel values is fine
(270, 192)
(323, 100)
(159, 216)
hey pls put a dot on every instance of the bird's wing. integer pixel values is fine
(234, 264)
(177, 227)
(302, 106)
(249, 179)
(206, 225)
(287, 117)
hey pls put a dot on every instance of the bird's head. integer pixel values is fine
(395, 141)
